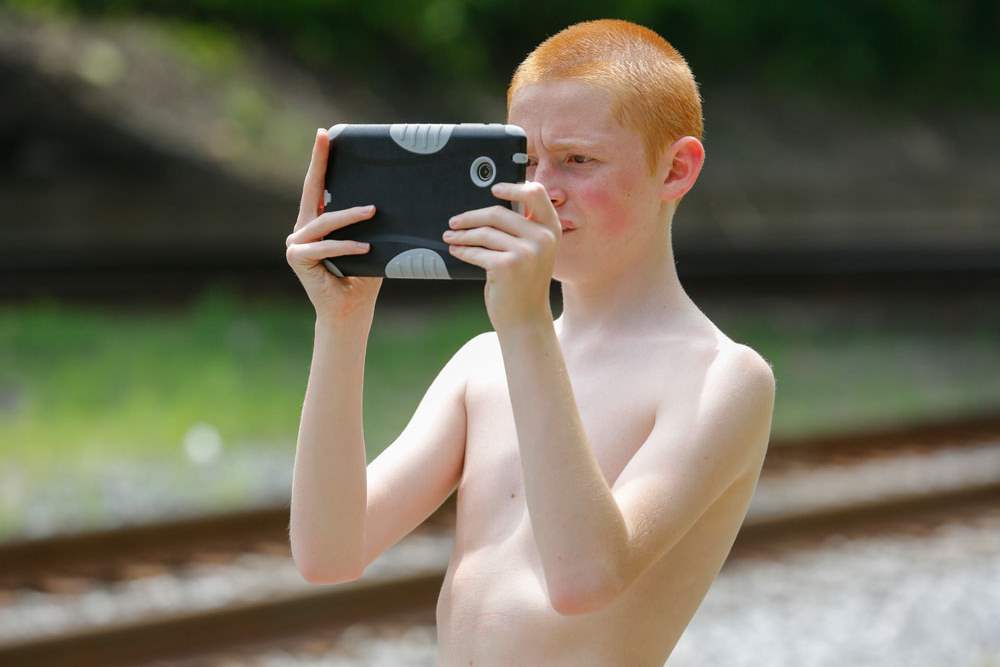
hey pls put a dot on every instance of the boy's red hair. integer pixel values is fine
(654, 91)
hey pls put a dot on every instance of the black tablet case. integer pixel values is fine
(417, 176)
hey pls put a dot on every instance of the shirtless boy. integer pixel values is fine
(603, 461)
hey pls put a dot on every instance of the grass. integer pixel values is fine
(85, 387)
(80, 382)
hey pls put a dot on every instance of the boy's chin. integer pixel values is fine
(575, 267)
(567, 271)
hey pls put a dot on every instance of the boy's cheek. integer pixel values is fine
(611, 209)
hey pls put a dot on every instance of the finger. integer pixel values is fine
(485, 237)
(480, 257)
(312, 187)
(535, 198)
(497, 216)
(327, 222)
(307, 253)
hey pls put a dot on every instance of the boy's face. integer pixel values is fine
(596, 174)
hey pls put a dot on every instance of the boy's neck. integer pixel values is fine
(645, 298)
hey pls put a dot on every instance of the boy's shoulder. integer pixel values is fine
(475, 352)
(747, 357)
(748, 369)
(740, 364)
(727, 368)
(739, 388)
(482, 343)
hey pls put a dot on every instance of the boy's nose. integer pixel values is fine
(544, 176)
(556, 195)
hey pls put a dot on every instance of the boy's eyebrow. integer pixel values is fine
(572, 143)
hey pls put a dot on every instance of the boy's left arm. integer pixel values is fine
(595, 541)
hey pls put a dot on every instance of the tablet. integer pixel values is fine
(418, 175)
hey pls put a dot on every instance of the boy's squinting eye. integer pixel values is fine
(532, 162)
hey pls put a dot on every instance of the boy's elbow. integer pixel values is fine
(575, 600)
(325, 575)
(322, 571)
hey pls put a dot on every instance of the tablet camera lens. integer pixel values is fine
(483, 171)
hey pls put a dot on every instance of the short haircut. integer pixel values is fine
(653, 89)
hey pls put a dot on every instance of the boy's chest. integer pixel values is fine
(617, 400)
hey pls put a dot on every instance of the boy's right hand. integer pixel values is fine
(336, 300)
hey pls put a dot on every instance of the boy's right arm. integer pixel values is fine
(342, 515)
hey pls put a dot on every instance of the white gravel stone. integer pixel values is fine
(29, 613)
(880, 601)
(877, 601)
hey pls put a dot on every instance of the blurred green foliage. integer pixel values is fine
(101, 382)
(910, 51)
(82, 381)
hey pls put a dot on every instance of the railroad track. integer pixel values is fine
(77, 563)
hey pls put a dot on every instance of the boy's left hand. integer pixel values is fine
(517, 251)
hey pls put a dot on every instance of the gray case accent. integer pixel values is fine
(333, 268)
(520, 158)
(514, 130)
(332, 133)
(423, 138)
(417, 263)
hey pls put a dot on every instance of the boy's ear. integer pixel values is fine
(683, 161)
